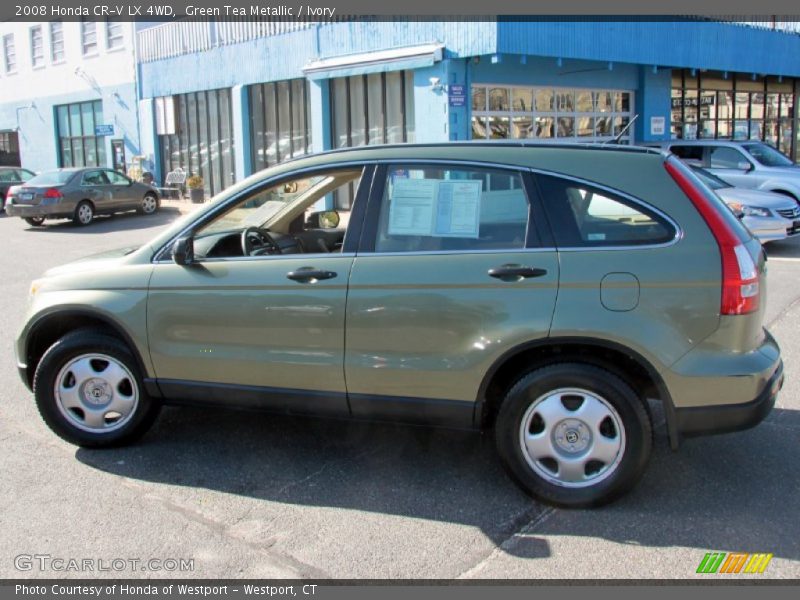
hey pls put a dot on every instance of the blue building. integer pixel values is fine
(225, 99)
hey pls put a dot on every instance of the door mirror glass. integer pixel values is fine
(183, 251)
(326, 219)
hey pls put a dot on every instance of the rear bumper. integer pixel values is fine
(38, 210)
(725, 418)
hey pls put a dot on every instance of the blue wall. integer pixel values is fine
(626, 55)
(694, 44)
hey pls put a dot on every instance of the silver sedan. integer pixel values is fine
(79, 194)
(769, 216)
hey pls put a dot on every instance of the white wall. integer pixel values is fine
(28, 96)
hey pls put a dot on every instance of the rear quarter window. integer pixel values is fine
(585, 216)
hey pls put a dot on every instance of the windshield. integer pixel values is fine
(767, 155)
(711, 180)
(51, 178)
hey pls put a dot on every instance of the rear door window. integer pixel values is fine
(94, 178)
(586, 216)
(435, 208)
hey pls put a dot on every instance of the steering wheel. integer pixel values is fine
(257, 241)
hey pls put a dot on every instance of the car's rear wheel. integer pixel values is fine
(34, 221)
(89, 391)
(149, 204)
(84, 213)
(574, 435)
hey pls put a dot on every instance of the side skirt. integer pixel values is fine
(454, 414)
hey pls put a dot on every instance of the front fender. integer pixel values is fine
(781, 186)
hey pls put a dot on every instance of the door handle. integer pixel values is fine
(516, 272)
(309, 275)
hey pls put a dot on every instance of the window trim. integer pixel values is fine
(533, 230)
(96, 50)
(50, 30)
(511, 113)
(98, 141)
(6, 67)
(41, 58)
(109, 37)
(616, 192)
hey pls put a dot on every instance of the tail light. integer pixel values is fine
(740, 286)
(53, 193)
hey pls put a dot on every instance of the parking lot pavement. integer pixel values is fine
(254, 495)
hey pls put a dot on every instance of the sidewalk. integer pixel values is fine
(185, 207)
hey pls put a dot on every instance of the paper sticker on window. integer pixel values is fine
(431, 207)
(458, 209)
(596, 237)
(412, 206)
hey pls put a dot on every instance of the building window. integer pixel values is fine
(543, 113)
(114, 36)
(37, 46)
(372, 109)
(89, 37)
(9, 53)
(733, 106)
(56, 42)
(280, 127)
(77, 143)
(202, 140)
(9, 149)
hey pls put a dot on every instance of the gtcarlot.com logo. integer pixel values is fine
(734, 563)
(47, 562)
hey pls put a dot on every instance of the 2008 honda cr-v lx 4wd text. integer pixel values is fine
(547, 293)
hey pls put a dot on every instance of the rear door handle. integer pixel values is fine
(516, 272)
(309, 275)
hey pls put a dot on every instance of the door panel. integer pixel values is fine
(123, 194)
(245, 323)
(256, 321)
(431, 326)
(444, 284)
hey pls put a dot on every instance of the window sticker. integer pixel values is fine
(458, 209)
(432, 207)
(412, 206)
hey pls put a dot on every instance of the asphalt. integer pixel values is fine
(254, 495)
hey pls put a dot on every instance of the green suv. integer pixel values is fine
(545, 292)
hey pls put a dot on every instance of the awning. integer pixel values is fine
(396, 59)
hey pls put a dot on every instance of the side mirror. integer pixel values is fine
(183, 251)
(744, 166)
(326, 219)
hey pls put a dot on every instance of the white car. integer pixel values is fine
(747, 164)
(769, 216)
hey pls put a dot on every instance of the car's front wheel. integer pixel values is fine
(574, 435)
(34, 221)
(89, 391)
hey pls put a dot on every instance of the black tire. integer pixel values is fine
(34, 221)
(541, 478)
(66, 423)
(84, 213)
(149, 205)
